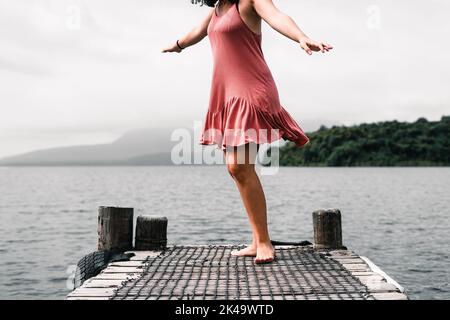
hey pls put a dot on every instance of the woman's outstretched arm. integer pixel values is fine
(194, 36)
(287, 26)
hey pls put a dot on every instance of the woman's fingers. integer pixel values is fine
(171, 49)
(306, 48)
(327, 46)
(320, 47)
(310, 45)
(315, 46)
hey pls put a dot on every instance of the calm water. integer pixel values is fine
(398, 217)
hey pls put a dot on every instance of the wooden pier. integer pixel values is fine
(323, 271)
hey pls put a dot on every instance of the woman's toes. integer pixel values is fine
(259, 260)
(265, 254)
(250, 251)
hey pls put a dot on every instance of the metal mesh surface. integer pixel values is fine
(212, 273)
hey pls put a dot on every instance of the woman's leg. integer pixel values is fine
(241, 166)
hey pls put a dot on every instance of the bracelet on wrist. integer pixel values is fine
(178, 45)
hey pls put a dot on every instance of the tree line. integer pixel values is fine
(390, 143)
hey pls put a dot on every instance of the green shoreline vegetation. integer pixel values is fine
(390, 143)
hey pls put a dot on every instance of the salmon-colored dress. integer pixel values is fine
(244, 104)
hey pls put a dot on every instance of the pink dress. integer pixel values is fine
(244, 103)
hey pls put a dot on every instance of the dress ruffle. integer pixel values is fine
(239, 122)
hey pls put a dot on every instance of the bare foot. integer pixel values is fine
(265, 253)
(250, 251)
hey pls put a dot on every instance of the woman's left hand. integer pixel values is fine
(172, 48)
(310, 45)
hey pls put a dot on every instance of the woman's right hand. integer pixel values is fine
(172, 48)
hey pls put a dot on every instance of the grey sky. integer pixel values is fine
(65, 80)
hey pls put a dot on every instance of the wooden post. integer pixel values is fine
(151, 233)
(115, 228)
(327, 229)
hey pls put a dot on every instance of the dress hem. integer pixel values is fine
(224, 147)
(243, 122)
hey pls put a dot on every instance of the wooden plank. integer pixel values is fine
(341, 253)
(127, 270)
(99, 283)
(117, 276)
(134, 263)
(381, 287)
(390, 296)
(288, 247)
(87, 298)
(352, 260)
(375, 278)
(143, 255)
(92, 292)
(356, 266)
(357, 273)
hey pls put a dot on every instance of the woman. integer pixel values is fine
(244, 109)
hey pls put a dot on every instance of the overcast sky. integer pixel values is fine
(76, 72)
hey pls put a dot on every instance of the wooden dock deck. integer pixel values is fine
(209, 272)
(155, 271)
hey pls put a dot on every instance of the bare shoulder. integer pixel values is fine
(211, 12)
(209, 15)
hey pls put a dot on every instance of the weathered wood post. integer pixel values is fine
(151, 233)
(327, 229)
(115, 228)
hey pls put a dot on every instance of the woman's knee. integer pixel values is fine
(240, 172)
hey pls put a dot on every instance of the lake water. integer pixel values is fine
(398, 217)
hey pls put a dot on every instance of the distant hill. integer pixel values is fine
(391, 143)
(131, 145)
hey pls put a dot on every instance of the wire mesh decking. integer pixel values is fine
(153, 271)
(212, 273)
